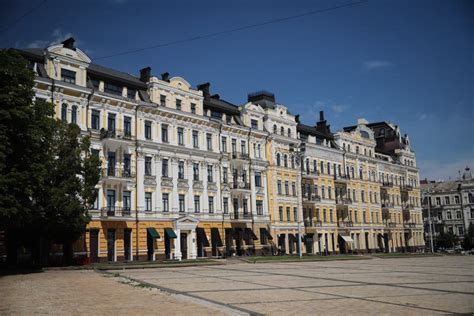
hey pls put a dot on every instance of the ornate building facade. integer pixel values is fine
(186, 174)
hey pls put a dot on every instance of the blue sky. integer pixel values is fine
(408, 62)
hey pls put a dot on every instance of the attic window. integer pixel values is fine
(68, 76)
(131, 93)
(112, 88)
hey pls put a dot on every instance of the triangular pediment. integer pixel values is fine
(187, 219)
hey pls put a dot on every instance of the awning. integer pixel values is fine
(153, 233)
(170, 233)
(201, 234)
(216, 237)
(266, 233)
(250, 234)
(347, 238)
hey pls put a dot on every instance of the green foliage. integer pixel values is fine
(47, 176)
(468, 242)
(446, 240)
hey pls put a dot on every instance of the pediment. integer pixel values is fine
(187, 220)
(75, 54)
(180, 83)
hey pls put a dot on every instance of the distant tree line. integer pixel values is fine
(47, 176)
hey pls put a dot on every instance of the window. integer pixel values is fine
(180, 136)
(461, 230)
(95, 119)
(181, 203)
(224, 174)
(323, 194)
(210, 176)
(147, 166)
(211, 204)
(68, 76)
(111, 200)
(259, 151)
(329, 168)
(74, 114)
(243, 146)
(289, 132)
(438, 200)
(322, 167)
(446, 200)
(288, 214)
(285, 161)
(163, 100)
(279, 186)
(259, 207)
(127, 165)
(278, 159)
(166, 203)
(195, 139)
(362, 196)
(225, 205)
(329, 193)
(258, 179)
(293, 188)
(456, 199)
(111, 163)
(178, 104)
(458, 215)
(287, 190)
(295, 214)
(112, 88)
(209, 141)
(280, 213)
(164, 133)
(223, 144)
(282, 130)
(234, 146)
(197, 202)
(148, 202)
(254, 124)
(164, 168)
(95, 206)
(448, 215)
(131, 93)
(64, 112)
(127, 124)
(196, 171)
(148, 129)
(193, 108)
(111, 122)
(180, 169)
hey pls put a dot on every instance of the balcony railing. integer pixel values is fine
(112, 211)
(240, 215)
(239, 155)
(387, 205)
(343, 224)
(240, 185)
(391, 225)
(386, 184)
(343, 201)
(118, 172)
(115, 134)
(312, 223)
(406, 187)
(341, 178)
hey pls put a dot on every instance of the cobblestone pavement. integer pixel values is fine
(87, 292)
(425, 285)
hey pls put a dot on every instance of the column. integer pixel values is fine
(253, 197)
(158, 179)
(177, 245)
(174, 177)
(193, 253)
(203, 178)
(266, 211)
(218, 196)
(140, 177)
(190, 185)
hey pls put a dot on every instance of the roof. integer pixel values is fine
(221, 106)
(311, 130)
(438, 187)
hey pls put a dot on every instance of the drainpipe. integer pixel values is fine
(250, 181)
(220, 164)
(137, 252)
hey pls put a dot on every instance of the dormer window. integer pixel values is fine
(282, 130)
(68, 76)
(254, 124)
(163, 100)
(178, 104)
(112, 88)
(131, 93)
(193, 108)
(289, 132)
(274, 129)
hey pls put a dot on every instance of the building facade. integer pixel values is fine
(451, 206)
(186, 174)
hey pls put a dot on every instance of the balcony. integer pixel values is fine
(149, 179)
(410, 225)
(406, 187)
(390, 225)
(343, 201)
(239, 215)
(311, 198)
(408, 207)
(118, 173)
(312, 223)
(387, 205)
(341, 178)
(112, 211)
(240, 156)
(313, 173)
(386, 184)
(240, 185)
(385, 214)
(345, 224)
(116, 134)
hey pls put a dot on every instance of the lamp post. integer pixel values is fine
(299, 154)
(430, 220)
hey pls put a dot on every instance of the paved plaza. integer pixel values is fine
(425, 285)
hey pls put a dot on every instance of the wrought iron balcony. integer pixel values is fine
(341, 178)
(113, 211)
(406, 187)
(112, 172)
(239, 155)
(117, 134)
(343, 201)
(238, 185)
(386, 184)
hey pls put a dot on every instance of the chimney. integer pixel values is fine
(297, 118)
(145, 74)
(216, 96)
(321, 116)
(165, 76)
(69, 43)
(204, 87)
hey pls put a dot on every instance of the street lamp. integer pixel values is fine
(299, 154)
(430, 219)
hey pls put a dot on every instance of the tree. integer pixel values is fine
(468, 242)
(446, 240)
(47, 175)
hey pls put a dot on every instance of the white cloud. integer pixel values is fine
(423, 116)
(373, 64)
(435, 170)
(339, 108)
(57, 36)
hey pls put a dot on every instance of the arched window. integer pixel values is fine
(282, 130)
(74, 114)
(344, 146)
(348, 148)
(64, 112)
(289, 132)
(285, 161)
(293, 162)
(274, 128)
(352, 173)
(278, 160)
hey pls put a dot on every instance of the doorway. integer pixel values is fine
(184, 245)
(94, 245)
(150, 244)
(127, 244)
(110, 245)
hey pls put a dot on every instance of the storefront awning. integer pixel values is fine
(153, 233)
(251, 235)
(347, 238)
(170, 233)
(201, 234)
(266, 233)
(216, 237)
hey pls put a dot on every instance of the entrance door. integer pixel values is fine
(342, 245)
(167, 247)
(127, 244)
(184, 245)
(309, 245)
(386, 241)
(367, 242)
(150, 244)
(111, 244)
(94, 245)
